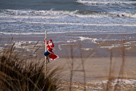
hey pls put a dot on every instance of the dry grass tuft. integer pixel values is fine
(16, 75)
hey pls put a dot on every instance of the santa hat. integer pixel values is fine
(50, 40)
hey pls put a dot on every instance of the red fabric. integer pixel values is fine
(50, 40)
(53, 56)
(50, 45)
(50, 49)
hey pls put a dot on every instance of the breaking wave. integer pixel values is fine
(75, 13)
(37, 21)
(98, 2)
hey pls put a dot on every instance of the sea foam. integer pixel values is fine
(37, 21)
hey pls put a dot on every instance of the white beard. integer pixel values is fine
(50, 44)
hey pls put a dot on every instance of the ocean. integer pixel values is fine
(56, 16)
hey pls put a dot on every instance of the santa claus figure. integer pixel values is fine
(49, 53)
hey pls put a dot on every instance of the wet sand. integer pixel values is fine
(96, 68)
(96, 45)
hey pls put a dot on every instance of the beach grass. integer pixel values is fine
(17, 75)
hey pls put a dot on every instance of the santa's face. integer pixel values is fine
(50, 43)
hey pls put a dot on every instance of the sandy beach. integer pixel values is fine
(96, 68)
(89, 48)
(89, 58)
(96, 72)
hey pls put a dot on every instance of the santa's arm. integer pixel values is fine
(46, 41)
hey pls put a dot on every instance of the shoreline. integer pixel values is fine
(87, 43)
(97, 45)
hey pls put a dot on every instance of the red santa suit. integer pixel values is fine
(50, 46)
